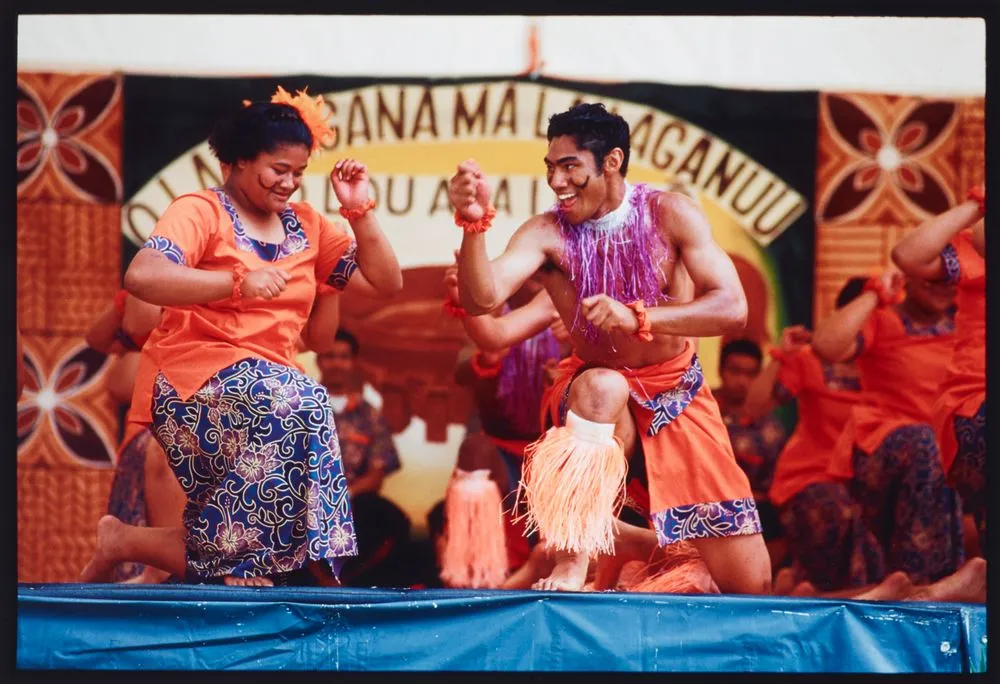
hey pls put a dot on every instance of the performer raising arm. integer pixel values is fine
(952, 247)
(249, 436)
(606, 254)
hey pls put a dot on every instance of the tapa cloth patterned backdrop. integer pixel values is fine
(884, 164)
(69, 267)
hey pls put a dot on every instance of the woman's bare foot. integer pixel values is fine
(968, 585)
(895, 587)
(569, 574)
(784, 582)
(231, 581)
(804, 590)
(108, 553)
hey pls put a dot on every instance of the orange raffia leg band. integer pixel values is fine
(480, 226)
(475, 551)
(574, 485)
(885, 297)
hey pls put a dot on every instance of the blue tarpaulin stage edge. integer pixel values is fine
(209, 627)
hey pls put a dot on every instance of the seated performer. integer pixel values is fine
(249, 436)
(947, 248)
(831, 545)
(144, 491)
(368, 455)
(606, 254)
(757, 440)
(887, 453)
(507, 377)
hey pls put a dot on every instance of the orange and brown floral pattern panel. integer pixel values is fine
(884, 164)
(69, 191)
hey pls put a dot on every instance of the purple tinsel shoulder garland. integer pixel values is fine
(622, 262)
(520, 385)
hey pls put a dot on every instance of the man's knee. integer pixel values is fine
(599, 394)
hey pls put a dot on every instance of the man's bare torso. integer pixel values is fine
(617, 350)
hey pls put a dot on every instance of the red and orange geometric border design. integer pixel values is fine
(884, 164)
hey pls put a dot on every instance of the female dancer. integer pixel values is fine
(249, 436)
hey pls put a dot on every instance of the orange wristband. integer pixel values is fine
(978, 193)
(239, 275)
(885, 298)
(480, 226)
(482, 371)
(120, 302)
(454, 310)
(354, 214)
(645, 331)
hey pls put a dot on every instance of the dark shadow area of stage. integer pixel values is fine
(210, 627)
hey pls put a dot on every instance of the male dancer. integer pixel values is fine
(606, 254)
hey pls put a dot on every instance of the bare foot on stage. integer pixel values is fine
(231, 581)
(968, 585)
(804, 590)
(895, 587)
(784, 582)
(570, 573)
(108, 552)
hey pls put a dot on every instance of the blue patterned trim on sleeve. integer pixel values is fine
(166, 247)
(345, 268)
(952, 267)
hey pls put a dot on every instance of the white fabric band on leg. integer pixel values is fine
(601, 433)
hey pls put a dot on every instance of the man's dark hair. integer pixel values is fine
(352, 341)
(593, 128)
(851, 290)
(745, 347)
(259, 127)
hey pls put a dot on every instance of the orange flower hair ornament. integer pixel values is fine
(314, 115)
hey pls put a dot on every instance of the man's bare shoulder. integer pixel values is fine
(678, 215)
(540, 227)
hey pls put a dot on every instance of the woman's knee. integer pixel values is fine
(599, 394)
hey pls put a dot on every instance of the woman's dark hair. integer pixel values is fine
(851, 290)
(593, 128)
(258, 127)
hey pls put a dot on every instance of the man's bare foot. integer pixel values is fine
(569, 574)
(895, 587)
(108, 553)
(231, 581)
(539, 563)
(968, 585)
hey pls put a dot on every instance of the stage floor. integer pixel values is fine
(210, 627)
